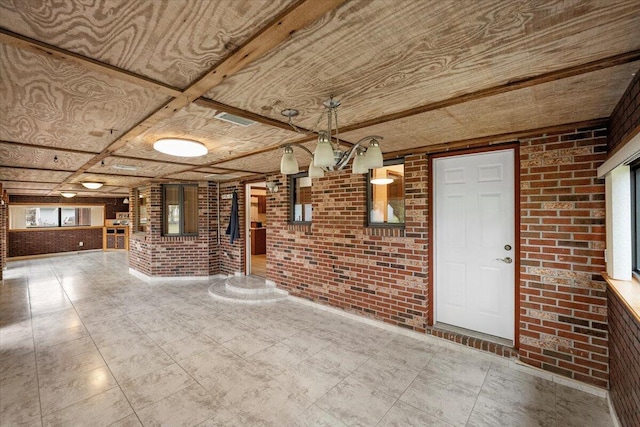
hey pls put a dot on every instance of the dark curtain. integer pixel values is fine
(234, 221)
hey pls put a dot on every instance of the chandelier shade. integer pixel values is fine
(360, 163)
(315, 171)
(289, 163)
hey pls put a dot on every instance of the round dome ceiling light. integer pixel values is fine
(92, 185)
(180, 147)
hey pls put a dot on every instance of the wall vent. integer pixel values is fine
(236, 120)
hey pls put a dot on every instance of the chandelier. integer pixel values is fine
(328, 155)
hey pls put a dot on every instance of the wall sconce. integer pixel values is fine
(126, 201)
(272, 187)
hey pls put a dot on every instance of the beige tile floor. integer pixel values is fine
(83, 342)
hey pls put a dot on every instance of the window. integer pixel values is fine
(385, 195)
(32, 216)
(635, 216)
(141, 215)
(180, 210)
(301, 208)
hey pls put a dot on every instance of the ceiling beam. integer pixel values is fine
(26, 43)
(295, 18)
(47, 147)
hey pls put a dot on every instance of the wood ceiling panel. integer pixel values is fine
(112, 180)
(145, 168)
(28, 186)
(269, 161)
(198, 123)
(56, 104)
(381, 57)
(31, 175)
(172, 41)
(190, 176)
(43, 158)
(571, 100)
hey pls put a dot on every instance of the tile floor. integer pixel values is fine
(83, 342)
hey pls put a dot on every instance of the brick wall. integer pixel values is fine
(379, 273)
(3, 229)
(39, 242)
(213, 223)
(232, 256)
(563, 315)
(625, 118)
(383, 274)
(624, 348)
(156, 255)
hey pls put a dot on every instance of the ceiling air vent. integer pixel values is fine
(236, 120)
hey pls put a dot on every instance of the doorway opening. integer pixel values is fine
(256, 226)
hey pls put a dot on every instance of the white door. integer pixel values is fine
(474, 241)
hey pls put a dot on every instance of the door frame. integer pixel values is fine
(517, 240)
(247, 226)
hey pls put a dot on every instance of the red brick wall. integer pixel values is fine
(563, 315)
(214, 249)
(3, 230)
(624, 348)
(378, 273)
(625, 118)
(231, 256)
(156, 255)
(39, 242)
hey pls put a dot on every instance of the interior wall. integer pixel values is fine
(156, 255)
(383, 273)
(4, 224)
(56, 240)
(625, 118)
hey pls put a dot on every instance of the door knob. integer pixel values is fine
(506, 260)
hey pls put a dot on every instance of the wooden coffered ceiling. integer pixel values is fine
(94, 84)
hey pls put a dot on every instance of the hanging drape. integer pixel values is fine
(233, 230)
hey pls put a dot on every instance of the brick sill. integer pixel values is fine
(628, 291)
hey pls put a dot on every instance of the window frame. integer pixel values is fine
(181, 204)
(398, 225)
(139, 227)
(635, 218)
(292, 198)
(59, 215)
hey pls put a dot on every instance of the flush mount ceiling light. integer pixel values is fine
(67, 194)
(180, 147)
(328, 155)
(92, 185)
(381, 179)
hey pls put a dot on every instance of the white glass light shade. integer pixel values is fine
(373, 158)
(92, 185)
(315, 171)
(180, 147)
(382, 181)
(289, 163)
(67, 194)
(125, 201)
(323, 156)
(359, 163)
